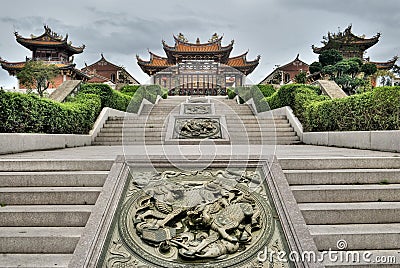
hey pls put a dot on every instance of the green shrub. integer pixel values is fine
(109, 97)
(266, 90)
(129, 90)
(149, 92)
(375, 110)
(30, 114)
(303, 97)
(125, 102)
(231, 93)
(252, 92)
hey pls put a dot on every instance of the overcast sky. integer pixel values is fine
(275, 29)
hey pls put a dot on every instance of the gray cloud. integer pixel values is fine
(277, 30)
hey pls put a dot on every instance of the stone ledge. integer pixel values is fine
(23, 142)
(370, 140)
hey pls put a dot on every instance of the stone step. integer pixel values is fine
(53, 179)
(324, 163)
(45, 215)
(357, 236)
(255, 121)
(229, 118)
(351, 213)
(54, 165)
(47, 240)
(141, 133)
(231, 125)
(343, 176)
(49, 195)
(159, 129)
(34, 260)
(346, 193)
(116, 143)
(157, 137)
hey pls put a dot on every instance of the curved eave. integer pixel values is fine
(248, 68)
(12, 67)
(385, 65)
(335, 43)
(148, 67)
(30, 44)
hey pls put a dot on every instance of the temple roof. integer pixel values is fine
(103, 62)
(104, 66)
(242, 64)
(155, 64)
(14, 67)
(183, 50)
(344, 39)
(49, 39)
(293, 66)
(213, 48)
(385, 65)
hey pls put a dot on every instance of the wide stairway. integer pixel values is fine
(352, 199)
(44, 207)
(150, 126)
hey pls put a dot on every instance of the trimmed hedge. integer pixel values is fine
(247, 93)
(29, 113)
(376, 110)
(129, 102)
(266, 90)
(149, 92)
(285, 96)
(129, 90)
(109, 97)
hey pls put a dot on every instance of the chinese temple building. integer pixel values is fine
(50, 48)
(198, 68)
(106, 72)
(348, 44)
(351, 45)
(286, 73)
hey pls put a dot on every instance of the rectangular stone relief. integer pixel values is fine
(189, 129)
(217, 217)
(219, 214)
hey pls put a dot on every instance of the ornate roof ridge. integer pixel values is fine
(48, 36)
(212, 41)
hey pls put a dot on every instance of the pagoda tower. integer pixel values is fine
(348, 44)
(198, 68)
(351, 45)
(50, 48)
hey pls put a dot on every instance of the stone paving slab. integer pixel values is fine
(281, 151)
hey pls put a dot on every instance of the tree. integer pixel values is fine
(301, 78)
(368, 68)
(37, 75)
(315, 67)
(330, 57)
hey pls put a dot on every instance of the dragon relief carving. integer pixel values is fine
(187, 216)
(197, 109)
(198, 128)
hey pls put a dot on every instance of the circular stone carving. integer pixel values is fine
(211, 222)
(198, 128)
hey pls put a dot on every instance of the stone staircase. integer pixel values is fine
(44, 207)
(150, 126)
(351, 199)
